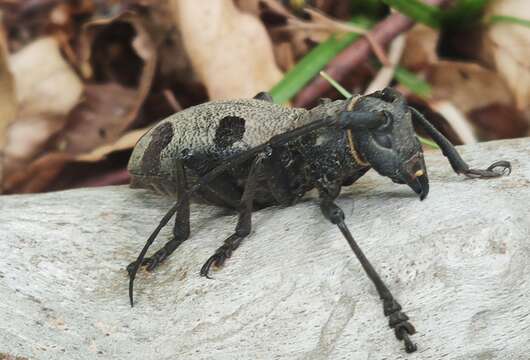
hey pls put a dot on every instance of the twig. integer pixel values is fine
(172, 100)
(386, 73)
(340, 67)
(321, 22)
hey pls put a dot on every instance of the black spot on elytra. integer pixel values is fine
(230, 130)
(160, 138)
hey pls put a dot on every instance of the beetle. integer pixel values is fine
(250, 154)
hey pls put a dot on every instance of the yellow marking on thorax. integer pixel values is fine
(355, 155)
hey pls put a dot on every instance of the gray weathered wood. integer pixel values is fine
(458, 263)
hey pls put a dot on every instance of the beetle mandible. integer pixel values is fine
(252, 153)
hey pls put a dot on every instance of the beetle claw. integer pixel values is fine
(491, 172)
(131, 268)
(218, 259)
(207, 265)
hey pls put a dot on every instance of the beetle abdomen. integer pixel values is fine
(221, 128)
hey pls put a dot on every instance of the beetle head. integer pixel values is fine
(391, 146)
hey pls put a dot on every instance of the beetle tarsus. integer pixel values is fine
(219, 257)
(399, 321)
(410, 347)
(490, 172)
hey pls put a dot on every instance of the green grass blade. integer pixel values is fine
(347, 94)
(335, 84)
(464, 13)
(496, 19)
(310, 65)
(412, 82)
(418, 11)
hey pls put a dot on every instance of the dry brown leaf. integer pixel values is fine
(108, 109)
(420, 47)
(462, 91)
(142, 44)
(8, 102)
(468, 86)
(499, 121)
(284, 54)
(46, 89)
(229, 50)
(507, 46)
(101, 117)
(125, 142)
(45, 83)
(105, 112)
(321, 26)
(38, 175)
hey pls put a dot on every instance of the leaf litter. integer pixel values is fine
(81, 81)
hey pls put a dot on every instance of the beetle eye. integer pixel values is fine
(383, 140)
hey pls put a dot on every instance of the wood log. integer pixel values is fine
(457, 262)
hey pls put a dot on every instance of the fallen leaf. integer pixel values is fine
(420, 47)
(127, 141)
(507, 47)
(110, 106)
(8, 102)
(230, 50)
(467, 85)
(45, 83)
(107, 109)
(116, 54)
(46, 90)
(460, 88)
(105, 112)
(38, 175)
(499, 121)
(456, 119)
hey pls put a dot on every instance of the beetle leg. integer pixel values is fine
(221, 191)
(391, 308)
(265, 96)
(243, 226)
(181, 229)
(457, 163)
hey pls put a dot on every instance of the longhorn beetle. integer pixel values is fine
(250, 154)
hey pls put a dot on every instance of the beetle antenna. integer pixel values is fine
(149, 242)
(457, 163)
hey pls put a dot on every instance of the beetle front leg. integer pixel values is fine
(457, 163)
(397, 320)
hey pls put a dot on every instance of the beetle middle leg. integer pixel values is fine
(391, 308)
(181, 229)
(244, 223)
